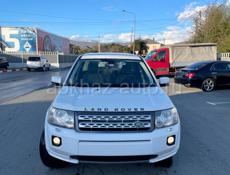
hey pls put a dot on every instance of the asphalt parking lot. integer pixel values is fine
(14, 84)
(204, 150)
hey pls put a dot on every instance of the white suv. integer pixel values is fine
(37, 62)
(110, 109)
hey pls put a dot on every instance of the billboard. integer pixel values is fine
(18, 39)
(52, 43)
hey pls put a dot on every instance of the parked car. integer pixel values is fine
(38, 62)
(167, 59)
(110, 109)
(4, 64)
(206, 75)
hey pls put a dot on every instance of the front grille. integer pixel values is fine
(114, 122)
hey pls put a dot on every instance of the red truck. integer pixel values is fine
(166, 60)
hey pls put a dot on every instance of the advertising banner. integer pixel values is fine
(52, 43)
(18, 39)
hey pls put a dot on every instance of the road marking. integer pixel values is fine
(217, 103)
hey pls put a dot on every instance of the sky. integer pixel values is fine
(167, 21)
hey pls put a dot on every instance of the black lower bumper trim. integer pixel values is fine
(113, 158)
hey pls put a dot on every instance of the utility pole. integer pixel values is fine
(1, 47)
(99, 44)
(131, 38)
(134, 27)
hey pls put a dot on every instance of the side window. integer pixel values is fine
(160, 56)
(221, 67)
(228, 67)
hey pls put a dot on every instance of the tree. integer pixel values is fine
(213, 25)
(140, 46)
(114, 47)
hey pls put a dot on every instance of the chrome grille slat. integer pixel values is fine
(110, 122)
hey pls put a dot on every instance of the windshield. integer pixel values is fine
(196, 66)
(150, 55)
(34, 58)
(110, 73)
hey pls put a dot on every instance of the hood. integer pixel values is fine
(112, 99)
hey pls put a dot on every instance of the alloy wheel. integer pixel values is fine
(208, 84)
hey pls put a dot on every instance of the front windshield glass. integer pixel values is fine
(34, 58)
(150, 55)
(110, 73)
(197, 66)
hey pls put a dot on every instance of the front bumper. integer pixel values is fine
(186, 81)
(100, 147)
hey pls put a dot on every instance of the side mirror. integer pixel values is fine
(164, 81)
(56, 80)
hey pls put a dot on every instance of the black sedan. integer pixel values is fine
(206, 75)
(3, 63)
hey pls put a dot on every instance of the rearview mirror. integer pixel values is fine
(164, 81)
(56, 80)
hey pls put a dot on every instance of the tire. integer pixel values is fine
(208, 85)
(48, 160)
(43, 68)
(28, 69)
(167, 163)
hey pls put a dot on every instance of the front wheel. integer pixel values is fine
(46, 159)
(208, 85)
(43, 68)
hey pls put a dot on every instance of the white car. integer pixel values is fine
(110, 109)
(37, 62)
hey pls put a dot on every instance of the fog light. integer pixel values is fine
(56, 141)
(171, 140)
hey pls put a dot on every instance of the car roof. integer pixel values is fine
(110, 56)
(218, 61)
(204, 62)
(211, 62)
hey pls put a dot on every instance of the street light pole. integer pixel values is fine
(134, 27)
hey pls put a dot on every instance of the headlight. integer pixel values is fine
(61, 117)
(166, 118)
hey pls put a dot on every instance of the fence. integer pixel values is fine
(56, 59)
(225, 56)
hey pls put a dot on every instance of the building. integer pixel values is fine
(29, 39)
(152, 45)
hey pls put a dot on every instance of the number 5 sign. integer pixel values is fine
(19, 39)
(12, 43)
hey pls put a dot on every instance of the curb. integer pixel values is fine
(12, 70)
